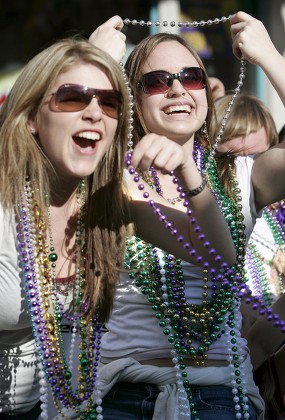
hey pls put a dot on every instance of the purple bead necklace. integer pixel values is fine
(46, 316)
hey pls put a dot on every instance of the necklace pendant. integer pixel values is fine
(173, 200)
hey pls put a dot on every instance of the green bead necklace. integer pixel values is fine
(192, 328)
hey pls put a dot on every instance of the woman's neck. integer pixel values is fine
(63, 193)
(64, 215)
(189, 145)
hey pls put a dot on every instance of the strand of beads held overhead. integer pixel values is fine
(209, 22)
(187, 24)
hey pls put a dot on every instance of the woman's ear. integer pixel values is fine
(32, 126)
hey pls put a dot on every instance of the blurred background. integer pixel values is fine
(28, 26)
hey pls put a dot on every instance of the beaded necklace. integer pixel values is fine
(165, 23)
(135, 22)
(153, 181)
(192, 328)
(46, 312)
(257, 263)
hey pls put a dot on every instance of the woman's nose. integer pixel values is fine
(176, 89)
(93, 110)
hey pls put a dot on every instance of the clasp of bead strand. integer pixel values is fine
(172, 24)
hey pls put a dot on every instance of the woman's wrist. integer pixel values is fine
(195, 191)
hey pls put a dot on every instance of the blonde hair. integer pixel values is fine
(134, 68)
(22, 151)
(22, 156)
(248, 114)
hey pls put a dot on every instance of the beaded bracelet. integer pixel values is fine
(195, 191)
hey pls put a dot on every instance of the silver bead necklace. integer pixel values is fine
(227, 113)
(186, 24)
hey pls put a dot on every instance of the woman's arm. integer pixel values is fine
(167, 155)
(268, 176)
(279, 361)
(251, 41)
(264, 338)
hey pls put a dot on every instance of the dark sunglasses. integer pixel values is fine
(72, 98)
(160, 81)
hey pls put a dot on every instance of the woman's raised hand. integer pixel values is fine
(250, 38)
(109, 38)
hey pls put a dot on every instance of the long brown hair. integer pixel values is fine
(22, 156)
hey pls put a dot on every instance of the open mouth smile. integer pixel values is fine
(87, 140)
(178, 109)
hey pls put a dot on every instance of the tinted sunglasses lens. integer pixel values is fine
(192, 78)
(71, 98)
(110, 102)
(156, 82)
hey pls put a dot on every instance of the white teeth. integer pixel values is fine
(178, 108)
(90, 135)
